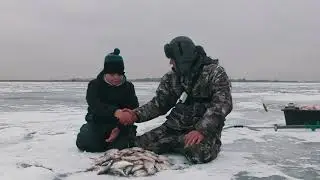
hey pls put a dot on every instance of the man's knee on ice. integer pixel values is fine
(151, 137)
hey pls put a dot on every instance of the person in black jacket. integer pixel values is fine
(106, 96)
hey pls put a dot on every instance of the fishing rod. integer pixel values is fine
(265, 107)
(276, 127)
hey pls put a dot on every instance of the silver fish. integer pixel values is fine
(110, 153)
(116, 157)
(101, 160)
(140, 172)
(137, 167)
(126, 152)
(161, 167)
(149, 166)
(144, 157)
(128, 170)
(105, 167)
(148, 159)
(107, 163)
(152, 153)
(138, 162)
(121, 164)
(149, 155)
(131, 158)
(132, 162)
(103, 170)
(118, 172)
(137, 149)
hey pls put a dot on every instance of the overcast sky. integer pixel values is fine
(61, 39)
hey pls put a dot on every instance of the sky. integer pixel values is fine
(63, 39)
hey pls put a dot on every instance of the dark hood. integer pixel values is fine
(187, 56)
(182, 50)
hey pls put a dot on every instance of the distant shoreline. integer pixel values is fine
(155, 80)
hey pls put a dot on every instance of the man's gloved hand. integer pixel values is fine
(125, 116)
(193, 137)
(114, 134)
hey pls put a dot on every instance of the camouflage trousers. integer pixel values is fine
(166, 140)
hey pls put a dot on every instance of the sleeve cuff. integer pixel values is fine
(137, 112)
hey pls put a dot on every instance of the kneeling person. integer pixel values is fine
(106, 95)
(194, 125)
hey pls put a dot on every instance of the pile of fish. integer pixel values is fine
(133, 161)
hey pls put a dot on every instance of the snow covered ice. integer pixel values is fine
(39, 123)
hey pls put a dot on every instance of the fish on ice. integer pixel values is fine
(133, 161)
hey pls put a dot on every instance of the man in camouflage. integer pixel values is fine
(193, 127)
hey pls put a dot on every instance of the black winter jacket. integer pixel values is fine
(103, 100)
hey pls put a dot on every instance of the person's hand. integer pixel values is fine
(193, 137)
(134, 116)
(125, 116)
(118, 113)
(128, 113)
(113, 135)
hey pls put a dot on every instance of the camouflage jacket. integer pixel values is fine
(209, 103)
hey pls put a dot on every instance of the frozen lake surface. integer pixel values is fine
(39, 123)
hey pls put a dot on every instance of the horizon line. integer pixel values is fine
(145, 80)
